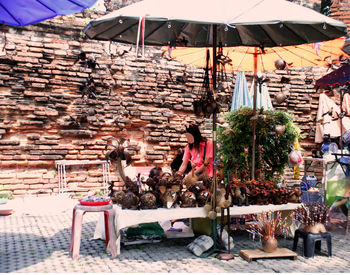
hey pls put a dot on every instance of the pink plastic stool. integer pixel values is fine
(78, 213)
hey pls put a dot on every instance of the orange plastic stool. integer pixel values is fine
(78, 213)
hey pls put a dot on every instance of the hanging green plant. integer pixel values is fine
(275, 131)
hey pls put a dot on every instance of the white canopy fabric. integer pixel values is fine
(262, 23)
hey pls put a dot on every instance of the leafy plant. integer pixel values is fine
(82, 34)
(100, 193)
(239, 135)
(6, 195)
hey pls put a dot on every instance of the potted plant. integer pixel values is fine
(4, 196)
(275, 132)
(268, 226)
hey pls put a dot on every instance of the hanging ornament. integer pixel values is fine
(296, 172)
(280, 64)
(280, 129)
(280, 97)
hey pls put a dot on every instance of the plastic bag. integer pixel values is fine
(294, 158)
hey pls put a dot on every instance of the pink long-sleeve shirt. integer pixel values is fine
(192, 154)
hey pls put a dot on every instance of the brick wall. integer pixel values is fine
(45, 117)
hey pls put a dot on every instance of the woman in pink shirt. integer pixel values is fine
(199, 151)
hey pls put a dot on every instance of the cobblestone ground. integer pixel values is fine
(39, 242)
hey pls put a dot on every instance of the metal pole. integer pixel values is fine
(214, 232)
(254, 110)
(214, 114)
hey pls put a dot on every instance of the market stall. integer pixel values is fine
(337, 172)
(227, 24)
(338, 157)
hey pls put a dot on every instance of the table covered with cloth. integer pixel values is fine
(126, 217)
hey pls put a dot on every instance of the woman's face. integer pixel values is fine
(190, 138)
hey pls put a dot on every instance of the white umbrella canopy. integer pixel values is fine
(261, 23)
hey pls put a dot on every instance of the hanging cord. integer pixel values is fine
(141, 29)
(143, 34)
(138, 36)
(4, 32)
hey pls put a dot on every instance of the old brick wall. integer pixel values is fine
(45, 117)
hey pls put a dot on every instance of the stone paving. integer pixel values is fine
(35, 239)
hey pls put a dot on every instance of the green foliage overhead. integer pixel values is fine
(232, 142)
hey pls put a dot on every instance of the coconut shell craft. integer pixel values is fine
(280, 64)
(168, 197)
(223, 200)
(313, 216)
(130, 201)
(188, 199)
(148, 201)
(118, 197)
(203, 198)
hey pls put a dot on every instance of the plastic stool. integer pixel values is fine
(78, 213)
(312, 242)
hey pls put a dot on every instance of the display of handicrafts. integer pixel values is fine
(173, 190)
(313, 216)
(268, 226)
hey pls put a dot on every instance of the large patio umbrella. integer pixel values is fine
(242, 58)
(27, 12)
(203, 23)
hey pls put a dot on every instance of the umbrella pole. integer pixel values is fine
(214, 236)
(221, 256)
(214, 229)
(254, 111)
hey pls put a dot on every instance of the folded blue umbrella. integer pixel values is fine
(241, 95)
(263, 99)
(26, 12)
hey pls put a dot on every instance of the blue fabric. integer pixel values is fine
(26, 12)
(241, 94)
(263, 99)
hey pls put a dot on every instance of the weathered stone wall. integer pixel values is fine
(45, 117)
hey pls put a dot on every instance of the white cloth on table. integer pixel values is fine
(125, 217)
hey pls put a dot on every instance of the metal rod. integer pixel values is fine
(214, 233)
(254, 111)
(214, 114)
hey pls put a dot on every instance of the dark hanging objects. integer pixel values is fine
(308, 81)
(182, 78)
(81, 57)
(326, 7)
(91, 63)
(82, 87)
(285, 80)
